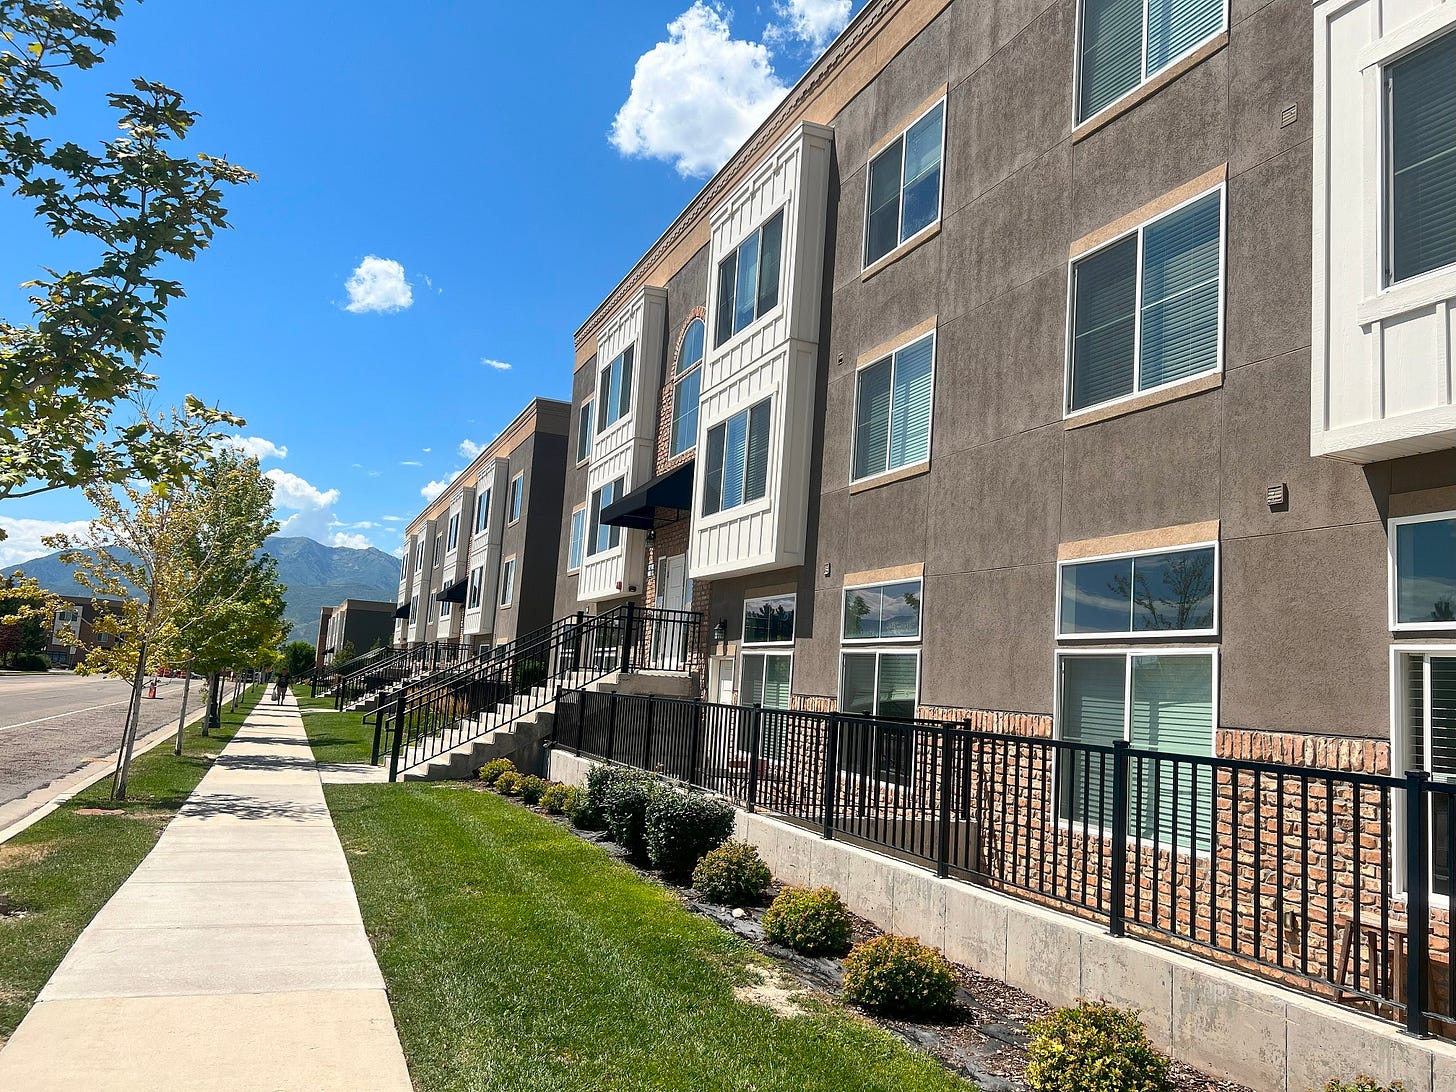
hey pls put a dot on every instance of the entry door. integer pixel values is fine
(674, 593)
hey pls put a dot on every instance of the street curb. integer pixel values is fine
(48, 798)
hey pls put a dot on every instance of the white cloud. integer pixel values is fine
(426, 450)
(255, 447)
(813, 22)
(469, 449)
(697, 96)
(498, 365)
(433, 489)
(353, 542)
(23, 537)
(378, 284)
(411, 462)
(392, 519)
(313, 508)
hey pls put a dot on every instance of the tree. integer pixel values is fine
(298, 658)
(342, 656)
(94, 330)
(25, 611)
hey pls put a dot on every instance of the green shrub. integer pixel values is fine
(579, 810)
(508, 783)
(813, 922)
(899, 976)
(494, 768)
(29, 661)
(531, 788)
(1362, 1083)
(681, 827)
(625, 810)
(598, 781)
(732, 875)
(555, 798)
(1093, 1047)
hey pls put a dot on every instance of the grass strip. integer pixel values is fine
(520, 957)
(60, 872)
(337, 737)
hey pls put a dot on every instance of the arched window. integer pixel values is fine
(687, 383)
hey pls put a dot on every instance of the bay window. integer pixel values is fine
(454, 534)
(736, 470)
(477, 578)
(614, 394)
(903, 193)
(748, 279)
(893, 409)
(1147, 307)
(1421, 182)
(601, 536)
(482, 511)
(1122, 43)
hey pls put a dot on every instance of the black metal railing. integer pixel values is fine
(404, 666)
(1331, 881)
(324, 676)
(489, 691)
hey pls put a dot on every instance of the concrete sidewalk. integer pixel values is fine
(233, 958)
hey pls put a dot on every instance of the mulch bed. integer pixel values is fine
(983, 1038)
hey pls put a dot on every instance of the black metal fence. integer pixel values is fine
(1331, 881)
(401, 666)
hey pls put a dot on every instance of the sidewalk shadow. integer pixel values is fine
(239, 806)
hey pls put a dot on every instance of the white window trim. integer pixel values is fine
(518, 480)
(479, 589)
(746, 507)
(1129, 654)
(1396, 625)
(875, 642)
(1067, 412)
(1147, 77)
(483, 497)
(677, 379)
(905, 244)
(768, 646)
(780, 651)
(453, 522)
(1145, 634)
(930, 427)
(621, 546)
(873, 778)
(778, 306)
(1399, 892)
(625, 396)
(506, 597)
(582, 510)
(589, 415)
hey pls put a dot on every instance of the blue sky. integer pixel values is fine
(484, 174)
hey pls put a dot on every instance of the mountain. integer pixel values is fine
(316, 576)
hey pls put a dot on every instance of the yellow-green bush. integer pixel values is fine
(732, 875)
(813, 922)
(899, 976)
(494, 768)
(508, 783)
(1093, 1047)
(531, 787)
(555, 798)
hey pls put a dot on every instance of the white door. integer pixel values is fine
(674, 592)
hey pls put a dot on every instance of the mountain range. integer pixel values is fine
(315, 575)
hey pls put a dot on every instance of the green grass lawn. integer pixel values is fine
(62, 870)
(520, 957)
(337, 737)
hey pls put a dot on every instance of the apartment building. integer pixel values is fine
(480, 561)
(360, 624)
(1124, 413)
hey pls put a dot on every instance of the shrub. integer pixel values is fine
(681, 827)
(579, 810)
(733, 875)
(1093, 1047)
(1363, 1083)
(555, 798)
(508, 783)
(900, 976)
(625, 810)
(29, 661)
(531, 788)
(598, 780)
(494, 768)
(813, 922)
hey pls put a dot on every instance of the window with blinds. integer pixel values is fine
(1125, 42)
(878, 684)
(686, 390)
(893, 403)
(1423, 560)
(602, 537)
(482, 511)
(748, 280)
(614, 393)
(1169, 591)
(1421, 108)
(578, 540)
(766, 678)
(1429, 715)
(736, 470)
(903, 194)
(1146, 309)
(1158, 702)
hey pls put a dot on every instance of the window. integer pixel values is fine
(1423, 572)
(1171, 591)
(584, 431)
(472, 597)
(767, 677)
(445, 609)
(1124, 42)
(482, 511)
(892, 410)
(614, 398)
(885, 685)
(454, 534)
(1146, 308)
(737, 460)
(686, 389)
(513, 505)
(435, 561)
(578, 540)
(1158, 701)
(768, 622)
(419, 555)
(508, 582)
(903, 195)
(748, 279)
(604, 536)
(883, 612)
(1428, 717)
(414, 608)
(1421, 107)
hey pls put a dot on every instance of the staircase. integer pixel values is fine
(501, 705)
(366, 687)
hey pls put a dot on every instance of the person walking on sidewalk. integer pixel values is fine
(280, 687)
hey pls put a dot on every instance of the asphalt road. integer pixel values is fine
(55, 723)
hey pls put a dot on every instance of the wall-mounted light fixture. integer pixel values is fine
(720, 633)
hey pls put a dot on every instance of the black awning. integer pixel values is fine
(402, 611)
(451, 593)
(655, 504)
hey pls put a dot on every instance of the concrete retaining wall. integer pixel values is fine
(1228, 1024)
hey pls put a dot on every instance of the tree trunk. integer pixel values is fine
(128, 735)
(210, 718)
(182, 716)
